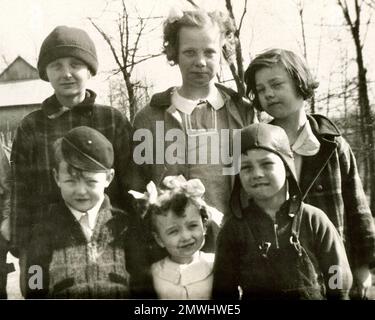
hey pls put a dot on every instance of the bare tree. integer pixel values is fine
(354, 21)
(126, 51)
(301, 9)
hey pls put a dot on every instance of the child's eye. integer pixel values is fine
(172, 232)
(276, 84)
(210, 53)
(189, 53)
(193, 225)
(259, 90)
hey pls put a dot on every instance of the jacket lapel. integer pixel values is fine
(313, 166)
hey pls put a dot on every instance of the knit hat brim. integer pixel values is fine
(67, 42)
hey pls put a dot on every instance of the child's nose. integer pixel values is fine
(200, 60)
(80, 188)
(257, 172)
(66, 71)
(185, 234)
(269, 92)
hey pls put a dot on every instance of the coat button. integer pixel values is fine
(319, 187)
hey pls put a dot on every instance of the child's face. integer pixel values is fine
(263, 174)
(82, 191)
(277, 92)
(180, 236)
(68, 76)
(199, 55)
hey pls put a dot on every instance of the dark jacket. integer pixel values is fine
(282, 273)
(330, 181)
(32, 158)
(71, 266)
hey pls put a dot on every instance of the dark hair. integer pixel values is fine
(295, 66)
(196, 18)
(175, 202)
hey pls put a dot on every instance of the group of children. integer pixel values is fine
(86, 221)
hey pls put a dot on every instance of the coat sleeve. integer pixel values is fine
(5, 181)
(123, 153)
(141, 140)
(226, 265)
(331, 255)
(361, 230)
(20, 209)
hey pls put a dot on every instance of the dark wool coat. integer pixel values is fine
(239, 261)
(75, 268)
(32, 158)
(330, 181)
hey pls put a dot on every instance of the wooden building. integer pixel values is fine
(21, 92)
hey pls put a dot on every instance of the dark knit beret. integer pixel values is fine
(87, 149)
(63, 42)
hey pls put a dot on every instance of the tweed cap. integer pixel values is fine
(64, 42)
(87, 149)
(268, 137)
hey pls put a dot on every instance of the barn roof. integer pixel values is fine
(20, 85)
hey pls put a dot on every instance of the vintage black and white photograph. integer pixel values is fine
(187, 150)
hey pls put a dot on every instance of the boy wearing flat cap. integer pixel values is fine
(274, 246)
(83, 246)
(67, 59)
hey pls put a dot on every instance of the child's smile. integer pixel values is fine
(181, 236)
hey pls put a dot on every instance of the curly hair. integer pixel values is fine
(175, 202)
(293, 64)
(198, 19)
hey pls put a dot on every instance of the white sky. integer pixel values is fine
(269, 23)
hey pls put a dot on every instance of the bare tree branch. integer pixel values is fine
(243, 16)
(193, 4)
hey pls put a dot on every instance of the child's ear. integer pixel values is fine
(110, 176)
(56, 176)
(157, 239)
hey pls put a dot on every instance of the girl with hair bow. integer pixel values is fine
(177, 217)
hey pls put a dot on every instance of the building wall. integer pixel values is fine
(10, 117)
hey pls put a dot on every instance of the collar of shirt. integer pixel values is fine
(92, 213)
(306, 144)
(53, 108)
(215, 99)
(200, 268)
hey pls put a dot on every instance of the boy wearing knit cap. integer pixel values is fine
(82, 243)
(67, 59)
(275, 246)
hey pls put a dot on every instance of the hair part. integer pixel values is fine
(295, 66)
(198, 19)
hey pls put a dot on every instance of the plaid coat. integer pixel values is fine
(330, 181)
(75, 268)
(32, 157)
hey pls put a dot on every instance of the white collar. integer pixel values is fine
(200, 268)
(306, 144)
(187, 106)
(92, 213)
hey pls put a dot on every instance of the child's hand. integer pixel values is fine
(5, 229)
(362, 281)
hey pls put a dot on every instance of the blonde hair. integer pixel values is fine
(198, 19)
